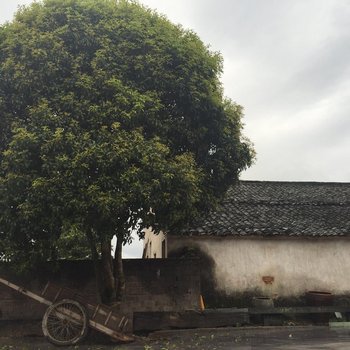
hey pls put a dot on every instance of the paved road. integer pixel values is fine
(290, 338)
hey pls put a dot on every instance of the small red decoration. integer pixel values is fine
(268, 279)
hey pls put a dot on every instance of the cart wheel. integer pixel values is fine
(65, 322)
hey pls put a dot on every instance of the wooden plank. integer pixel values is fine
(95, 312)
(45, 289)
(339, 324)
(25, 292)
(108, 317)
(298, 310)
(57, 294)
(225, 310)
(112, 333)
(150, 321)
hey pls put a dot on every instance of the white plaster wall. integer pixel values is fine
(297, 265)
(153, 244)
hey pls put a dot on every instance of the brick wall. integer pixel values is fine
(151, 285)
(162, 284)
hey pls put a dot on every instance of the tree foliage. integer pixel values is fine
(112, 119)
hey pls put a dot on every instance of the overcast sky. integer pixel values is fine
(287, 62)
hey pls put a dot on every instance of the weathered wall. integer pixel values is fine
(274, 267)
(161, 284)
(151, 285)
(152, 245)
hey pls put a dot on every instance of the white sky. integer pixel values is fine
(288, 63)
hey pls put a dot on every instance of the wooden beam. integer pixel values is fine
(150, 321)
(298, 310)
(25, 292)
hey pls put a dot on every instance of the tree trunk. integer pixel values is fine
(96, 263)
(119, 270)
(109, 290)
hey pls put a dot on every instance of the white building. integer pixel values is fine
(278, 239)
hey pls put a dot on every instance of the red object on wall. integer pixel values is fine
(268, 279)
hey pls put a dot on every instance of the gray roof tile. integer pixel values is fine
(262, 208)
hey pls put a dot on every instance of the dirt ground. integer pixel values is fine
(263, 338)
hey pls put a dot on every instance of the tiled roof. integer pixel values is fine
(261, 208)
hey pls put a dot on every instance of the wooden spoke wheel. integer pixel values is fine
(65, 322)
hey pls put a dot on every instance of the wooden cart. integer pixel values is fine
(69, 315)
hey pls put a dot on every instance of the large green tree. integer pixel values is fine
(112, 119)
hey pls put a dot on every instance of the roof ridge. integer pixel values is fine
(287, 202)
(296, 182)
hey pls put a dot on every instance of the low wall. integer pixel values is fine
(151, 285)
(161, 284)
